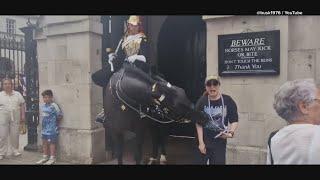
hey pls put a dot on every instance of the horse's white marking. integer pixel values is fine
(169, 85)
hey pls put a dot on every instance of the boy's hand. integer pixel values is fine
(60, 117)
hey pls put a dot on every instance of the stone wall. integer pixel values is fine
(69, 51)
(299, 47)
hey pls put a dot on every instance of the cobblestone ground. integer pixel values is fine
(179, 150)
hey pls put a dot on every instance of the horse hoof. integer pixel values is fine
(163, 160)
(152, 161)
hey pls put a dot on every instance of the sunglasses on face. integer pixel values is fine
(212, 82)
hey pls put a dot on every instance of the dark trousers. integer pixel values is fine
(215, 153)
(159, 137)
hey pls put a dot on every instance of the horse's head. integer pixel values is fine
(176, 103)
(171, 98)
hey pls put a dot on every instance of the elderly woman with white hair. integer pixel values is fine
(297, 102)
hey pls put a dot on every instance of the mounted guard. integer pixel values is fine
(131, 49)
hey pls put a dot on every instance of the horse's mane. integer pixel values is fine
(137, 73)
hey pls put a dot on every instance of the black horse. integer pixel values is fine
(132, 98)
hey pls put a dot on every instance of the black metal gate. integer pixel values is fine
(12, 60)
(18, 61)
(32, 86)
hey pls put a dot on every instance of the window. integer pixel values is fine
(11, 26)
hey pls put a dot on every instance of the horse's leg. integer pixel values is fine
(119, 141)
(155, 139)
(140, 131)
(164, 135)
(110, 141)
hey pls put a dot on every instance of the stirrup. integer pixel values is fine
(100, 118)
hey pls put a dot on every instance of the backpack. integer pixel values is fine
(269, 144)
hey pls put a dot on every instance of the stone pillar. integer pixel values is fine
(69, 51)
(253, 94)
(304, 47)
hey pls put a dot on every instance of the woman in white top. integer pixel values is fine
(12, 113)
(297, 102)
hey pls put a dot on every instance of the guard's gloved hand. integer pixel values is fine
(112, 56)
(132, 58)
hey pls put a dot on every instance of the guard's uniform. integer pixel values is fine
(133, 50)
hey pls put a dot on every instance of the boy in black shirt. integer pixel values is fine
(222, 111)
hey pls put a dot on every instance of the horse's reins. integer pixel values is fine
(142, 114)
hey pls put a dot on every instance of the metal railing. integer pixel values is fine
(5, 35)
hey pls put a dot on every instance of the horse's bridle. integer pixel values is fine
(162, 97)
